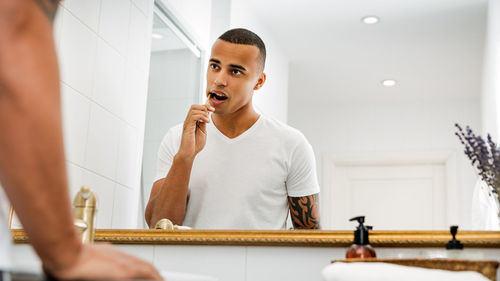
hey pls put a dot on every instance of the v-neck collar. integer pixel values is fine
(240, 136)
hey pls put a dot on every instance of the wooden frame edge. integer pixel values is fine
(298, 238)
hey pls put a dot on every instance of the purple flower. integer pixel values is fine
(484, 155)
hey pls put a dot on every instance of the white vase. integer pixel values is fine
(485, 208)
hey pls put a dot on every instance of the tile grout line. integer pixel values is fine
(95, 173)
(90, 99)
(96, 32)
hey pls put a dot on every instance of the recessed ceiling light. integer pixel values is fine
(370, 20)
(389, 83)
(157, 36)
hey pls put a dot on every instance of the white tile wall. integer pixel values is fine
(104, 190)
(134, 96)
(102, 144)
(124, 213)
(76, 113)
(109, 78)
(138, 39)
(77, 51)
(75, 177)
(104, 90)
(114, 23)
(86, 11)
(127, 172)
(144, 5)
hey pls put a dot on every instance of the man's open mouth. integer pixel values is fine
(217, 96)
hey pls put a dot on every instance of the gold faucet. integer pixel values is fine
(85, 208)
(167, 224)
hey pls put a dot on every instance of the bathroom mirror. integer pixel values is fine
(386, 150)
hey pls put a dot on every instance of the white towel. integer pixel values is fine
(377, 271)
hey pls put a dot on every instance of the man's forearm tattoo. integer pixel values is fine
(48, 7)
(304, 211)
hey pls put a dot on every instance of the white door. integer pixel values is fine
(392, 197)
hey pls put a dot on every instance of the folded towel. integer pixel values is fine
(375, 271)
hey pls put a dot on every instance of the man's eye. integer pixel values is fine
(214, 66)
(236, 72)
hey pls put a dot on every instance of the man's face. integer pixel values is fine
(234, 72)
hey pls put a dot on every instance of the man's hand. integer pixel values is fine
(194, 131)
(104, 262)
(169, 195)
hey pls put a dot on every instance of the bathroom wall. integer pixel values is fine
(272, 98)
(341, 128)
(490, 99)
(103, 48)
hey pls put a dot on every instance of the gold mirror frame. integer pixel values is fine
(296, 238)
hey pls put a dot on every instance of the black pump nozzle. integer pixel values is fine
(361, 232)
(360, 219)
(454, 244)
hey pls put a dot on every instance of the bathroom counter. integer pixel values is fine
(273, 255)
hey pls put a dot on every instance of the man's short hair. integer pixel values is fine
(246, 37)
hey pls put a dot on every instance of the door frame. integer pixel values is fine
(331, 162)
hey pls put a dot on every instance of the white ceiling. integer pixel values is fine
(433, 48)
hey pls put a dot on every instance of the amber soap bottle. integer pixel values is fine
(361, 248)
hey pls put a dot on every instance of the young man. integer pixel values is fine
(229, 167)
(32, 165)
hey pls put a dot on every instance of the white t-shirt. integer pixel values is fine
(244, 182)
(5, 237)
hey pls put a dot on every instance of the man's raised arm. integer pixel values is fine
(168, 196)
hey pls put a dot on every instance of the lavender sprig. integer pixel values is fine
(484, 155)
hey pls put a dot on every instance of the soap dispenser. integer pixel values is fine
(361, 248)
(454, 246)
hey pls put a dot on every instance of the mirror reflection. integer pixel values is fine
(377, 102)
(174, 85)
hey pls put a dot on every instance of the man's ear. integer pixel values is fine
(260, 81)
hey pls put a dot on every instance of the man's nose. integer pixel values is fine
(220, 79)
